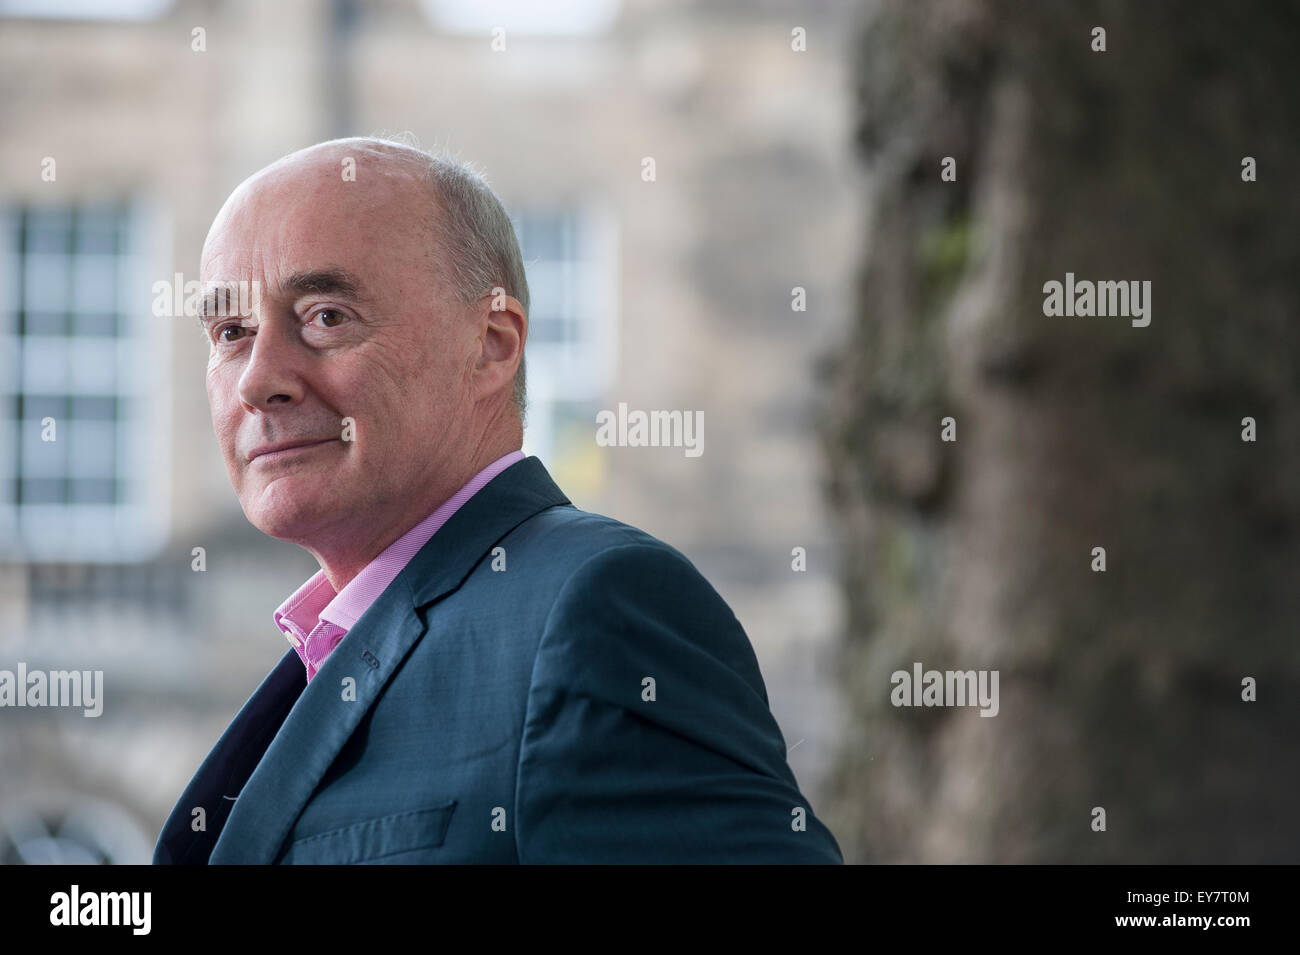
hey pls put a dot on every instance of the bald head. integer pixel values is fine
(352, 174)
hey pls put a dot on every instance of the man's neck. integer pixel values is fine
(341, 568)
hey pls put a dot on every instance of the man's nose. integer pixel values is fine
(272, 377)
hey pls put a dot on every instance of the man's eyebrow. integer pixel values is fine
(220, 300)
(325, 282)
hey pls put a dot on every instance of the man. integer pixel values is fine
(480, 672)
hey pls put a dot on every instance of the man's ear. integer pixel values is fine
(505, 329)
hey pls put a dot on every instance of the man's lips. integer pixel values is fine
(277, 450)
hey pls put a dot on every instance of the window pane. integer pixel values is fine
(93, 288)
(44, 459)
(95, 409)
(45, 365)
(48, 230)
(36, 407)
(94, 491)
(91, 449)
(43, 491)
(46, 323)
(96, 325)
(8, 364)
(97, 230)
(93, 361)
(48, 281)
(8, 446)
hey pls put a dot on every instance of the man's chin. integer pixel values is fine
(287, 523)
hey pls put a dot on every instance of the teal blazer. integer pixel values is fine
(538, 685)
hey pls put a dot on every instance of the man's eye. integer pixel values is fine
(221, 332)
(330, 317)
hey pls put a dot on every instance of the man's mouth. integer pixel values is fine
(284, 449)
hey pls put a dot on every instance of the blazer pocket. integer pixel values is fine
(374, 839)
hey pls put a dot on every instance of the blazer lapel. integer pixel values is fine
(323, 717)
(505, 502)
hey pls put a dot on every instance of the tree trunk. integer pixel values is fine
(1120, 689)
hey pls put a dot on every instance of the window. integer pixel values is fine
(85, 9)
(572, 17)
(83, 399)
(571, 258)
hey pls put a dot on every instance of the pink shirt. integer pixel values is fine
(316, 618)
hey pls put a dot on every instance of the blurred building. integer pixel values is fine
(124, 126)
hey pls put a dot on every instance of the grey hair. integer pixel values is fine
(477, 248)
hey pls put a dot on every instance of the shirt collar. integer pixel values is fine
(317, 600)
(298, 616)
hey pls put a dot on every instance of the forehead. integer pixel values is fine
(305, 213)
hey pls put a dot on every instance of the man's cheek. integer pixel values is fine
(227, 432)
